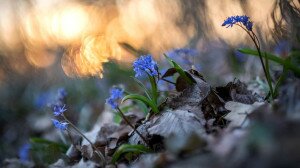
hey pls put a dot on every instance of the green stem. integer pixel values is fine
(257, 45)
(153, 88)
(265, 67)
(269, 78)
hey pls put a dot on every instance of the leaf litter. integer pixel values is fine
(202, 126)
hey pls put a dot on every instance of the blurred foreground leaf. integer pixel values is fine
(45, 152)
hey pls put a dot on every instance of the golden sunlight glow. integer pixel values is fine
(69, 23)
(88, 59)
(152, 24)
(90, 31)
(139, 17)
(8, 30)
(63, 24)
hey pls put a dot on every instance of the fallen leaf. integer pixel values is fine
(193, 95)
(177, 122)
(237, 91)
(239, 112)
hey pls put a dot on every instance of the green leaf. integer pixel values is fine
(268, 55)
(126, 108)
(143, 99)
(126, 148)
(179, 70)
(289, 65)
(117, 118)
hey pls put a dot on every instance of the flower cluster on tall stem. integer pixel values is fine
(58, 111)
(232, 20)
(145, 65)
(245, 23)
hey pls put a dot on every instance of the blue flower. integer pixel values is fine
(249, 25)
(24, 152)
(58, 109)
(245, 20)
(60, 125)
(145, 64)
(115, 95)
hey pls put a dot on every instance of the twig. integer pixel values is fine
(128, 122)
(93, 146)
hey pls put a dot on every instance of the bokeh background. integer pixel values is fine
(86, 46)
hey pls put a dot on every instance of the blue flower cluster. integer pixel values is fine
(145, 64)
(59, 108)
(59, 125)
(245, 20)
(115, 95)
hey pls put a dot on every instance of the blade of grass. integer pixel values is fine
(143, 99)
(273, 58)
(269, 76)
(179, 70)
(125, 148)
